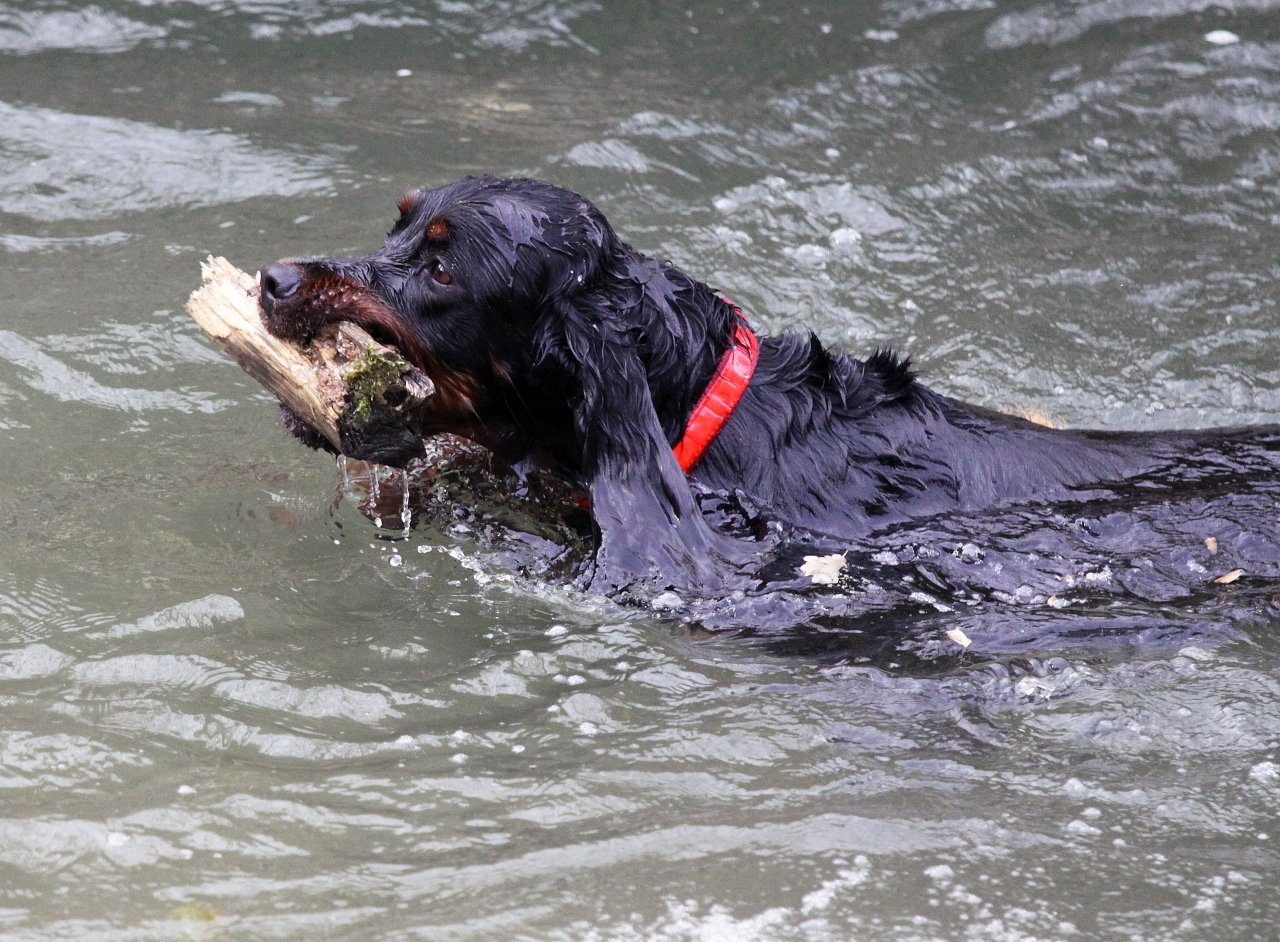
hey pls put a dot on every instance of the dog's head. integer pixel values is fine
(465, 286)
(547, 338)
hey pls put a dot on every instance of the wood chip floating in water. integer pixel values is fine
(824, 569)
(362, 396)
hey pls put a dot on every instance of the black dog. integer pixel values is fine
(555, 344)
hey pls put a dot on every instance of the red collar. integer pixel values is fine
(721, 395)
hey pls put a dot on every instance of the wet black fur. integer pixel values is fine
(586, 356)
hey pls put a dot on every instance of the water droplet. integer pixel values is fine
(1221, 37)
(406, 514)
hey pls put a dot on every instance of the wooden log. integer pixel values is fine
(361, 396)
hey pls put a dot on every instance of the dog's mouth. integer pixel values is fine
(297, 299)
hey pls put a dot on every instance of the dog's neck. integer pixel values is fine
(684, 328)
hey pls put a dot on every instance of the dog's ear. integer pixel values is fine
(652, 532)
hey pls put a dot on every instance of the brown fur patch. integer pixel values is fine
(455, 401)
(500, 369)
(405, 203)
(438, 230)
(1032, 414)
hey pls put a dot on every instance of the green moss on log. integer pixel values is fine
(370, 379)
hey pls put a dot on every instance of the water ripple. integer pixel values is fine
(51, 376)
(55, 166)
(92, 29)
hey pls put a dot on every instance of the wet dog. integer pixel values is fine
(558, 346)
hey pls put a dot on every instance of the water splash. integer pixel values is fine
(406, 512)
(374, 494)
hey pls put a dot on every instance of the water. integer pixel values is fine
(228, 713)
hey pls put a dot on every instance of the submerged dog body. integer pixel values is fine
(556, 345)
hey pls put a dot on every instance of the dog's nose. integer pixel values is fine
(279, 281)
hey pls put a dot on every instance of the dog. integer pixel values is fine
(558, 346)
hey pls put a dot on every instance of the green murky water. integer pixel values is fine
(233, 708)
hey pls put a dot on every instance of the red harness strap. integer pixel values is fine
(721, 395)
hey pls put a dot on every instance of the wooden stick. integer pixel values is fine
(363, 397)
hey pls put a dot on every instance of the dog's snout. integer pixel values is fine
(279, 281)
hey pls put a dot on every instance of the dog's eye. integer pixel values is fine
(439, 274)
